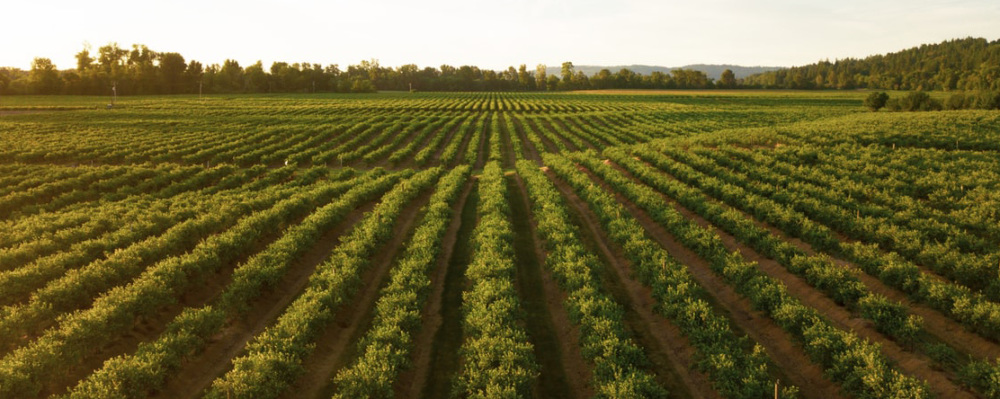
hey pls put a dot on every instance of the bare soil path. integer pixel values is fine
(198, 371)
(411, 382)
(337, 345)
(564, 372)
(666, 347)
(202, 291)
(791, 362)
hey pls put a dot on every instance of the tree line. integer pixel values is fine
(961, 64)
(140, 70)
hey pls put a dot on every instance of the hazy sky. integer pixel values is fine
(492, 34)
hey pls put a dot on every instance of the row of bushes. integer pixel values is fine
(839, 284)
(736, 369)
(497, 357)
(146, 370)
(973, 310)
(620, 366)
(386, 347)
(972, 270)
(273, 359)
(921, 101)
(964, 303)
(23, 371)
(857, 364)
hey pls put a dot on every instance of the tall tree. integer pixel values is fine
(727, 80)
(172, 67)
(524, 78)
(540, 78)
(567, 76)
(83, 60)
(44, 77)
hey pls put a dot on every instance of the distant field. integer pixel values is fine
(615, 244)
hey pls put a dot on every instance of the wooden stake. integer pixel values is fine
(776, 382)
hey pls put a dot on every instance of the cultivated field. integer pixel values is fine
(412, 245)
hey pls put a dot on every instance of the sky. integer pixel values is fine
(491, 34)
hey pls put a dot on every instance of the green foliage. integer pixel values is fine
(618, 362)
(498, 358)
(963, 64)
(387, 344)
(876, 101)
(914, 101)
(274, 358)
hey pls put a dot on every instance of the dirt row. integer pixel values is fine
(148, 328)
(666, 347)
(909, 361)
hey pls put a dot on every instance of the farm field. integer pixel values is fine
(711, 244)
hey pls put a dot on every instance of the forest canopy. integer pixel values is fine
(961, 64)
(141, 70)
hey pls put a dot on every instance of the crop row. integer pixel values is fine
(386, 347)
(619, 363)
(944, 257)
(960, 303)
(497, 357)
(858, 365)
(736, 368)
(272, 360)
(79, 333)
(146, 370)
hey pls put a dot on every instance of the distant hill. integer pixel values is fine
(960, 64)
(712, 71)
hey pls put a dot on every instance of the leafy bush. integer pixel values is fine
(914, 101)
(876, 101)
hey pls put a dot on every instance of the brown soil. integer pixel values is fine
(544, 124)
(484, 145)
(666, 347)
(564, 372)
(911, 363)
(336, 346)
(202, 290)
(509, 158)
(936, 323)
(466, 141)
(198, 371)
(529, 125)
(572, 128)
(410, 383)
(444, 143)
(530, 152)
(790, 360)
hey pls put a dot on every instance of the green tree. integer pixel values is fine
(552, 83)
(524, 78)
(727, 80)
(194, 76)
(876, 101)
(567, 75)
(44, 77)
(230, 77)
(141, 69)
(541, 80)
(172, 68)
(255, 77)
(83, 60)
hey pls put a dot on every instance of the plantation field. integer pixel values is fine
(715, 244)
